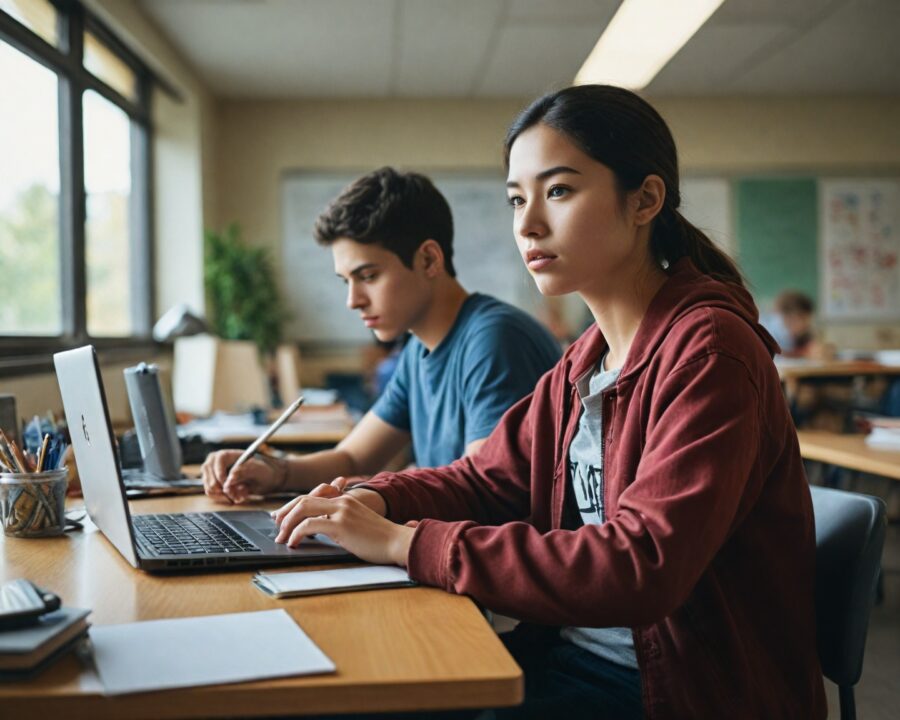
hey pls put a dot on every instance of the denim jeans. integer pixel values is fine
(561, 680)
(566, 681)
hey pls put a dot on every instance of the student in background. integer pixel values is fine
(470, 358)
(645, 510)
(795, 312)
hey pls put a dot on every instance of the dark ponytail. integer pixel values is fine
(675, 238)
(624, 132)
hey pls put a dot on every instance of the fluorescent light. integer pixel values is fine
(641, 38)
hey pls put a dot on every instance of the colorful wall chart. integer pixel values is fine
(860, 251)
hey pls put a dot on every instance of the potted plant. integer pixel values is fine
(244, 303)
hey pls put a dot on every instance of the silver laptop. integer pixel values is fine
(160, 542)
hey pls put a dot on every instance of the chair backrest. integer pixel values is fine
(850, 530)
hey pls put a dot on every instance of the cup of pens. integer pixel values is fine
(32, 490)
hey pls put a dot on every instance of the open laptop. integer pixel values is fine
(160, 542)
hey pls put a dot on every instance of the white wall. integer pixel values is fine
(258, 141)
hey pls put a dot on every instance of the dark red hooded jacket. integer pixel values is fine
(708, 548)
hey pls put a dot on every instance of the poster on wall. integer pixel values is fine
(860, 231)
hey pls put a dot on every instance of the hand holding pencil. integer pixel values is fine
(232, 476)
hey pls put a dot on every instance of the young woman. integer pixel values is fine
(645, 510)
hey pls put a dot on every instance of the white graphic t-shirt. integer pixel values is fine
(586, 472)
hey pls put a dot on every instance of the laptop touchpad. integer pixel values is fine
(262, 523)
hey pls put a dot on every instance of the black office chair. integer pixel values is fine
(850, 531)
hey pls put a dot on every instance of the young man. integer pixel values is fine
(470, 358)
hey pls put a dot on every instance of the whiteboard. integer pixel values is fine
(860, 252)
(484, 251)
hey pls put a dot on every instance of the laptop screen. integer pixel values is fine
(87, 415)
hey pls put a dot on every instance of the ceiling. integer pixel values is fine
(516, 48)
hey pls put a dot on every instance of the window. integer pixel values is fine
(75, 247)
(109, 67)
(30, 302)
(39, 16)
(107, 186)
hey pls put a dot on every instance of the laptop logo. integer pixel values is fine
(84, 430)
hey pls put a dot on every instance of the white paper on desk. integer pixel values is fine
(312, 582)
(187, 652)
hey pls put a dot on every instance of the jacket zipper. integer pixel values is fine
(561, 475)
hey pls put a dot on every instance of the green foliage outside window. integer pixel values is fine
(29, 259)
(244, 303)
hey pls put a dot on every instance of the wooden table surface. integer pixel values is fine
(792, 369)
(315, 425)
(401, 649)
(849, 451)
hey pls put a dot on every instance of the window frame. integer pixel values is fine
(30, 353)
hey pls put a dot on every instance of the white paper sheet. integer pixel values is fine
(187, 652)
(342, 579)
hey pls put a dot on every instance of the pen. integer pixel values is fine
(42, 456)
(250, 451)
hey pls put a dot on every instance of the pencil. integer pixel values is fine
(8, 452)
(6, 458)
(251, 451)
(20, 458)
(43, 453)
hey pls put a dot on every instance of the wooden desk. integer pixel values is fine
(312, 434)
(792, 369)
(849, 451)
(405, 649)
(313, 426)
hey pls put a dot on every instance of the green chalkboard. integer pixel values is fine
(777, 235)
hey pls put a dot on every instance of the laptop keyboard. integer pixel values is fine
(188, 534)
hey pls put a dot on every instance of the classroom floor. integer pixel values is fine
(878, 692)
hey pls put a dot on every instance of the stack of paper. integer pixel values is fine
(885, 434)
(314, 582)
(888, 357)
(187, 652)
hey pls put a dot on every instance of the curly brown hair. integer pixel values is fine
(396, 210)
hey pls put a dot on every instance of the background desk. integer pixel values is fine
(828, 395)
(848, 451)
(802, 369)
(313, 428)
(417, 648)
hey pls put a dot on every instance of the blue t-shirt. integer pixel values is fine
(492, 357)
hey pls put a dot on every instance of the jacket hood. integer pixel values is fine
(686, 289)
